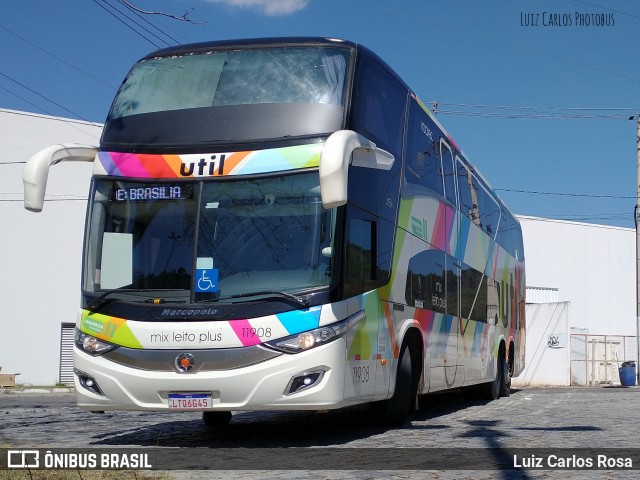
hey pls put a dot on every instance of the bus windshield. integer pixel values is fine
(207, 241)
(230, 95)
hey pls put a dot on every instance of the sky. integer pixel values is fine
(541, 95)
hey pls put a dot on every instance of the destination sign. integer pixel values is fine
(145, 193)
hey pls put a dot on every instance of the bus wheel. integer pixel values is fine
(491, 391)
(505, 381)
(394, 411)
(216, 419)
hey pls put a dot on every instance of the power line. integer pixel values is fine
(129, 18)
(582, 217)
(519, 107)
(58, 58)
(24, 100)
(73, 66)
(44, 97)
(593, 216)
(532, 116)
(582, 195)
(69, 122)
(537, 112)
(144, 18)
(125, 23)
(606, 8)
(56, 118)
(522, 47)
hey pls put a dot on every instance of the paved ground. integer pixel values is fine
(552, 419)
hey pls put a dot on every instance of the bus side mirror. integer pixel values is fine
(36, 171)
(342, 148)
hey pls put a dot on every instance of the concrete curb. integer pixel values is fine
(39, 390)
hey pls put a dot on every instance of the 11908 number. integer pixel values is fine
(360, 374)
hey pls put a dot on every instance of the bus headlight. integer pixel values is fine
(303, 341)
(92, 345)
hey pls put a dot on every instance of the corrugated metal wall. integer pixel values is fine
(66, 353)
(542, 295)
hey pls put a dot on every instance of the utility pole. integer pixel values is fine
(637, 222)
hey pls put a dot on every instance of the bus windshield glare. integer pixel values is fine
(205, 97)
(168, 240)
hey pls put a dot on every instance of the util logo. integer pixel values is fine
(213, 166)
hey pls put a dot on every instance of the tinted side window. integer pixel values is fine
(426, 280)
(473, 294)
(423, 166)
(378, 106)
(504, 231)
(489, 212)
(378, 112)
(448, 169)
(453, 284)
(510, 235)
(517, 241)
(361, 252)
(369, 244)
(467, 206)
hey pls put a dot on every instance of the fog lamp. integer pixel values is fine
(303, 381)
(88, 382)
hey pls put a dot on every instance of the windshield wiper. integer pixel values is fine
(97, 304)
(274, 294)
(269, 294)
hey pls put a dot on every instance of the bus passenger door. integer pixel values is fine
(360, 285)
(361, 366)
(452, 266)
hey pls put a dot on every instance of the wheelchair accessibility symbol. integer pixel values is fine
(206, 280)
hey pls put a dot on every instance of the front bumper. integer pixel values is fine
(261, 386)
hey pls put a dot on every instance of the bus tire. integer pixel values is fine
(491, 391)
(394, 411)
(216, 418)
(505, 380)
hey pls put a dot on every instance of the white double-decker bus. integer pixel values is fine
(281, 224)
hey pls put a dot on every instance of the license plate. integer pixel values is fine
(190, 401)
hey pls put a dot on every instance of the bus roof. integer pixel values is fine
(250, 42)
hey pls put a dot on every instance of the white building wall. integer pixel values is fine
(547, 353)
(41, 253)
(592, 266)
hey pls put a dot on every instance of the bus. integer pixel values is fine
(282, 224)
